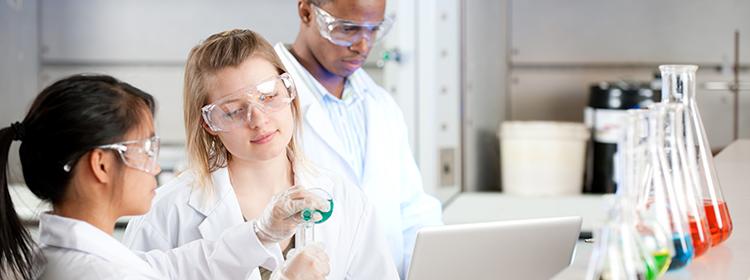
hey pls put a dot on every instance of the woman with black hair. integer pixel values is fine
(88, 146)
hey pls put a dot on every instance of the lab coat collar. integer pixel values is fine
(222, 210)
(219, 199)
(312, 111)
(61, 232)
(222, 196)
(376, 150)
(204, 199)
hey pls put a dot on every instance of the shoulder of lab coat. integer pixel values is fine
(74, 249)
(172, 226)
(162, 227)
(64, 264)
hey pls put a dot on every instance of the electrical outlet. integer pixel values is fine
(447, 167)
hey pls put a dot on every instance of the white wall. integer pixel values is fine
(146, 42)
(19, 65)
(142, 31)
(438, 106)
(486, 28)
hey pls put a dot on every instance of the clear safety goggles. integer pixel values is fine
(139, 154)
(346, 32)
(235, 110)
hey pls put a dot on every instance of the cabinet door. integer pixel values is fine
(627, 31)
(142, 31)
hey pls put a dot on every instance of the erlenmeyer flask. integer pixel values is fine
(678, 86)
(683, 177)
(632, 174)
(617, 253)
(661, 196)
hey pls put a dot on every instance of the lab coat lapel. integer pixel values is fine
(220, 207)
(376, 133)
(320, 123)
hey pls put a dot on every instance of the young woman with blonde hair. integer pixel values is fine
(242, 120)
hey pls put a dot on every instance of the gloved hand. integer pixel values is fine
(308, 263)
(282, 215)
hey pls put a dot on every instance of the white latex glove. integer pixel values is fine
(308, 263)
(282, 215)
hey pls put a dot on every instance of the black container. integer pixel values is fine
(608, 102)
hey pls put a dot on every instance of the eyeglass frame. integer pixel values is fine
(122, 148)
(329, 20)
(284, 77)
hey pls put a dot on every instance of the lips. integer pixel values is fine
(263, 138)
(354, 62)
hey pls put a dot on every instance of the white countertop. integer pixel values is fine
(729, 260)
(478, 207)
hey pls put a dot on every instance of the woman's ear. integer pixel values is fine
(208, 128)
(102, 164)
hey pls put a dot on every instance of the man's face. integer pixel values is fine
(340, 60)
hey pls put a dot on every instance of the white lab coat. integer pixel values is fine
(74, 249)
(391, 179)
(183, 212)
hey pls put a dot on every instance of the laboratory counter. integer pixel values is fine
(729, 260)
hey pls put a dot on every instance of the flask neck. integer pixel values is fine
(678, 83)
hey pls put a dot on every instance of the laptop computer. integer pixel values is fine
(520, 249)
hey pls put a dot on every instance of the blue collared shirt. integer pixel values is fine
(349, 119)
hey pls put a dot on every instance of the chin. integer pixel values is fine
(142, 210)
(346, 72)
(268, 156)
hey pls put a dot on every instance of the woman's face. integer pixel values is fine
(268, 133)
(137, 187)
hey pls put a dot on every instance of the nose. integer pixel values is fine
(157, 168)
(361, 47)
(257, 117)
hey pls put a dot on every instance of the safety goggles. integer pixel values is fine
(346, 32)
(235, 110)
(139, 154)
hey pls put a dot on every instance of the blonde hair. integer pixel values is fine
(206, 153)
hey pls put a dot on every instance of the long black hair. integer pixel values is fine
(66, 120)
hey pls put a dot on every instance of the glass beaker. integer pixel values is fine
(678, 86)
(306, 230)
(661, 196)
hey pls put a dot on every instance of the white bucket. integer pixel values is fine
(542, 158)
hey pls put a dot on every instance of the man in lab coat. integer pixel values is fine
(351, 125)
